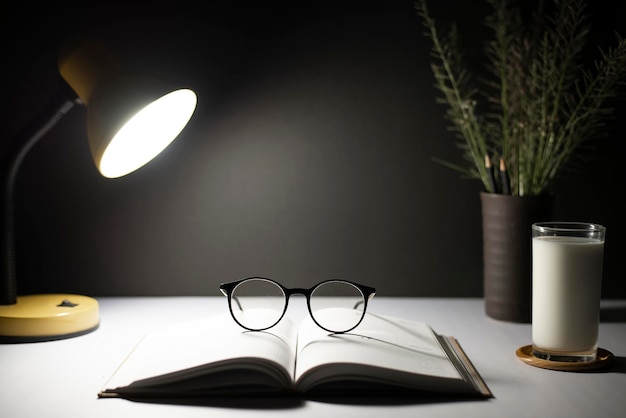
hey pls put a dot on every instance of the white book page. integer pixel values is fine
(204, 341)
(380, 341)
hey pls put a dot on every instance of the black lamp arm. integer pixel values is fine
(18, 149)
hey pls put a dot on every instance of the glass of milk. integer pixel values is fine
(567, 280)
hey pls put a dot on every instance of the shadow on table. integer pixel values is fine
(393, 400)
(297, 401)
(617, 366)
(614, 314)
(241, 402)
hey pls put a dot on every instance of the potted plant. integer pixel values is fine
(520, 123)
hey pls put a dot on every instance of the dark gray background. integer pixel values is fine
(309, 156)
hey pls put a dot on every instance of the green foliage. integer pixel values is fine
(537, 105)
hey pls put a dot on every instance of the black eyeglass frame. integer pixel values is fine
(227, 290)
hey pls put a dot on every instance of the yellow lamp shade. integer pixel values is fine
(130, 118)
(134, 122)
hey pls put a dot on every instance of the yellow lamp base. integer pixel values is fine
(49, 317)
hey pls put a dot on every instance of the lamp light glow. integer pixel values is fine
(147, 133)
(119, 145)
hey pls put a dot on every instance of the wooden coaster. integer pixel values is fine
(604, 358)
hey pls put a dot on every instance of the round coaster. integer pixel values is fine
(604, 358)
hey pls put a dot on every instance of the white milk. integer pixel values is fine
(567, 279)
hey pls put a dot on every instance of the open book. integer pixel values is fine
(213, 357)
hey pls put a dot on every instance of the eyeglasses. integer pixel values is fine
(257, 303)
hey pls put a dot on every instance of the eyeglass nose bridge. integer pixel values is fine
(307, 294)
(297, 291)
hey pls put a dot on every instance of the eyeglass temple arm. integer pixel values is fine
(225, 293)
(362, 302)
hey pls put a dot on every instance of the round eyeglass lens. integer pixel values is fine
(257, 303)
(337, 306)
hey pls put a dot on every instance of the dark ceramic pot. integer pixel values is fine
(507, 250)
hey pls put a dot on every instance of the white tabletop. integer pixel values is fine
(62, 378)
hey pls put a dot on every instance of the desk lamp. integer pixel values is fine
(130, 119)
